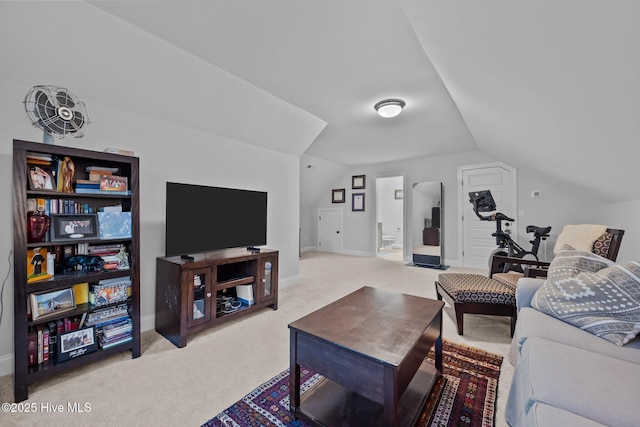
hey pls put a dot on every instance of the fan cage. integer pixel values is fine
(56, 111)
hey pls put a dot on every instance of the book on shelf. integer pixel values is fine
(53, 334)
(45, 343)
(98, 191)
(107, 344)
(101, 169)
(106, 315)
(81, 293)
(113, 330)
(32, 348)
(114, 208)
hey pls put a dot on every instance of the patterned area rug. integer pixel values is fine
(464, 396)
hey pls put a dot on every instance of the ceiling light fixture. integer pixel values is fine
(389, 107)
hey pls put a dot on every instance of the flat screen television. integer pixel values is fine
(201, 218)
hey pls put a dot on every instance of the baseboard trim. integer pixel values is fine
(6, 365)
(288, 281)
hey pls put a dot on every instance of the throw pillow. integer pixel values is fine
(593, 294)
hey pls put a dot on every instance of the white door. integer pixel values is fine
(330, 230)
(477, 242)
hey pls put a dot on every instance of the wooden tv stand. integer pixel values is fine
(187, 290)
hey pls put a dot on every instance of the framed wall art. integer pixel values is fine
(357, 202)
(358, 182)
(338, 195)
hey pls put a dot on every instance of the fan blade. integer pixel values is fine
(57, 126)
(44, 106)
(77, 122)
(65, 100)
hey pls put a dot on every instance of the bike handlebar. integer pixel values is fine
(498, 216)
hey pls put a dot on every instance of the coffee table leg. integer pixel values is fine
(294, 376)
(438, 351)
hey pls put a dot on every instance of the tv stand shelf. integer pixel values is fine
(235, 282)
(187, 291)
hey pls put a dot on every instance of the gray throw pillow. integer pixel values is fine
(593, 294)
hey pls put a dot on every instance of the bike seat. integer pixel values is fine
(542, 231)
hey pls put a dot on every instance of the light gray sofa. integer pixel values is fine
(565, 376)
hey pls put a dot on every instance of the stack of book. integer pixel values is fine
(116, 333)
(102, 180)
(108, 253)
(87, 186)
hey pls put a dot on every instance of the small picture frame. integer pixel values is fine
(358, 182)
(44, 304)
(113, 183)
(40, 179)
(398, 194)
(76, 227)
(338, 195)
(76, 343)
(357, 202)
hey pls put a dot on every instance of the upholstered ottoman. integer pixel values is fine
(477, 294)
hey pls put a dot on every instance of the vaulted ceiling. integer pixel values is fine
(551, 86)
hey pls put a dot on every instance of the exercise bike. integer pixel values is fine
(482, 201)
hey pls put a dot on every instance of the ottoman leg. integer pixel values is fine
(459, 313)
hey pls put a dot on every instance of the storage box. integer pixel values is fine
(244, 294)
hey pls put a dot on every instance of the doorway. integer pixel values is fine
(476, 242)
(330, 230)
(389, 216)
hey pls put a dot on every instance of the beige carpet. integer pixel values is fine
(168, 386)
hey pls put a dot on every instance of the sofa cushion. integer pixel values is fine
(532, 323)
(602, 245)
(541, 415)
(603, 301)
(600, 388)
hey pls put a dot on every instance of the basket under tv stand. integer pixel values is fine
(189, 292)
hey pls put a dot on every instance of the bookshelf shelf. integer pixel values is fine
(25, 198)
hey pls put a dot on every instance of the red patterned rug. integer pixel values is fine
(464, 396)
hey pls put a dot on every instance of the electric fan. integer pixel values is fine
(56, 111)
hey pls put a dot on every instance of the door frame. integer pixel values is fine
(462, 200)
(340, 212)
(374, 220)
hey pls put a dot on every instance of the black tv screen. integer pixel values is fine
(201, 218)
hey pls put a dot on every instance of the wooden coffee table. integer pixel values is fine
(370, 347)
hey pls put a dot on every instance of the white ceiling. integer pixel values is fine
(551, 86)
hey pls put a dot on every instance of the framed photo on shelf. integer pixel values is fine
(40, 179)
(74, 227)
(357, 202)
(337, 196)
(45, 304)
(358, 182)
(113, 183)
(76, 343)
